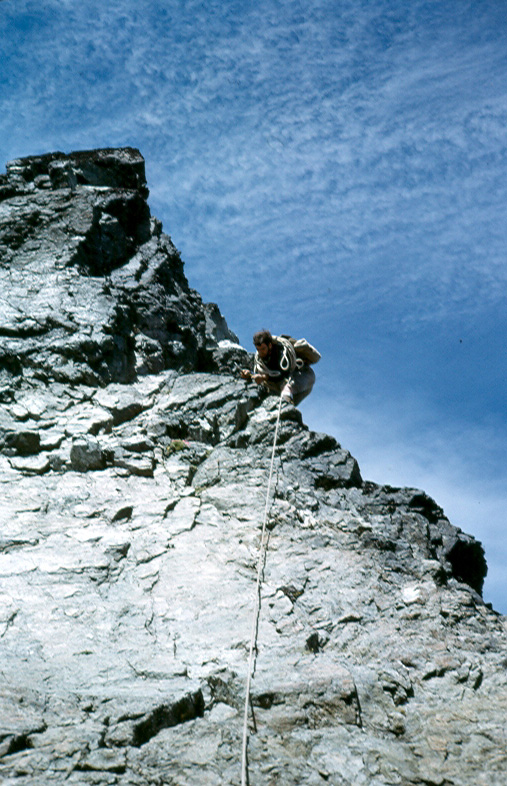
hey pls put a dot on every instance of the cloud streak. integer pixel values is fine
(332, 169)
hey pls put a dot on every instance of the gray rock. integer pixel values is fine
(86, 454)
(130, 527)
(31, 465)
(115, 302)
(23, 442)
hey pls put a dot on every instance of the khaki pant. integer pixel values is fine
(298, 387)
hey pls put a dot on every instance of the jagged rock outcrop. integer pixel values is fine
(92, 291)
(133, 464)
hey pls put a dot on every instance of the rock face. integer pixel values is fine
(92, 291)
(134, 466)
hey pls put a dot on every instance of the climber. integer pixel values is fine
(282, 367)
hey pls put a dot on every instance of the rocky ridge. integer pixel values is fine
(133, 464)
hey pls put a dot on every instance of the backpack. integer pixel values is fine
(304, 350)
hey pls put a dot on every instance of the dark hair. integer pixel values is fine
(262, 337)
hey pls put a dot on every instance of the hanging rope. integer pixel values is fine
(255, 619)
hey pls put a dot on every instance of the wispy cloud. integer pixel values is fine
(336, 169)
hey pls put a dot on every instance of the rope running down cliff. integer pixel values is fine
(255, 619)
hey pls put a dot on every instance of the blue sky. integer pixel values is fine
(331, 168)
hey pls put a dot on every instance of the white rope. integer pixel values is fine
(288, 360)
(255, 619)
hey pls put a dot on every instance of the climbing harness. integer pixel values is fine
(257, 608)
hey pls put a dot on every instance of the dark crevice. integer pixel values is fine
(22, 742)
(427, 507)
(188, 708)
(468, 563)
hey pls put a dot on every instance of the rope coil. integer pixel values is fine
(257, 607)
